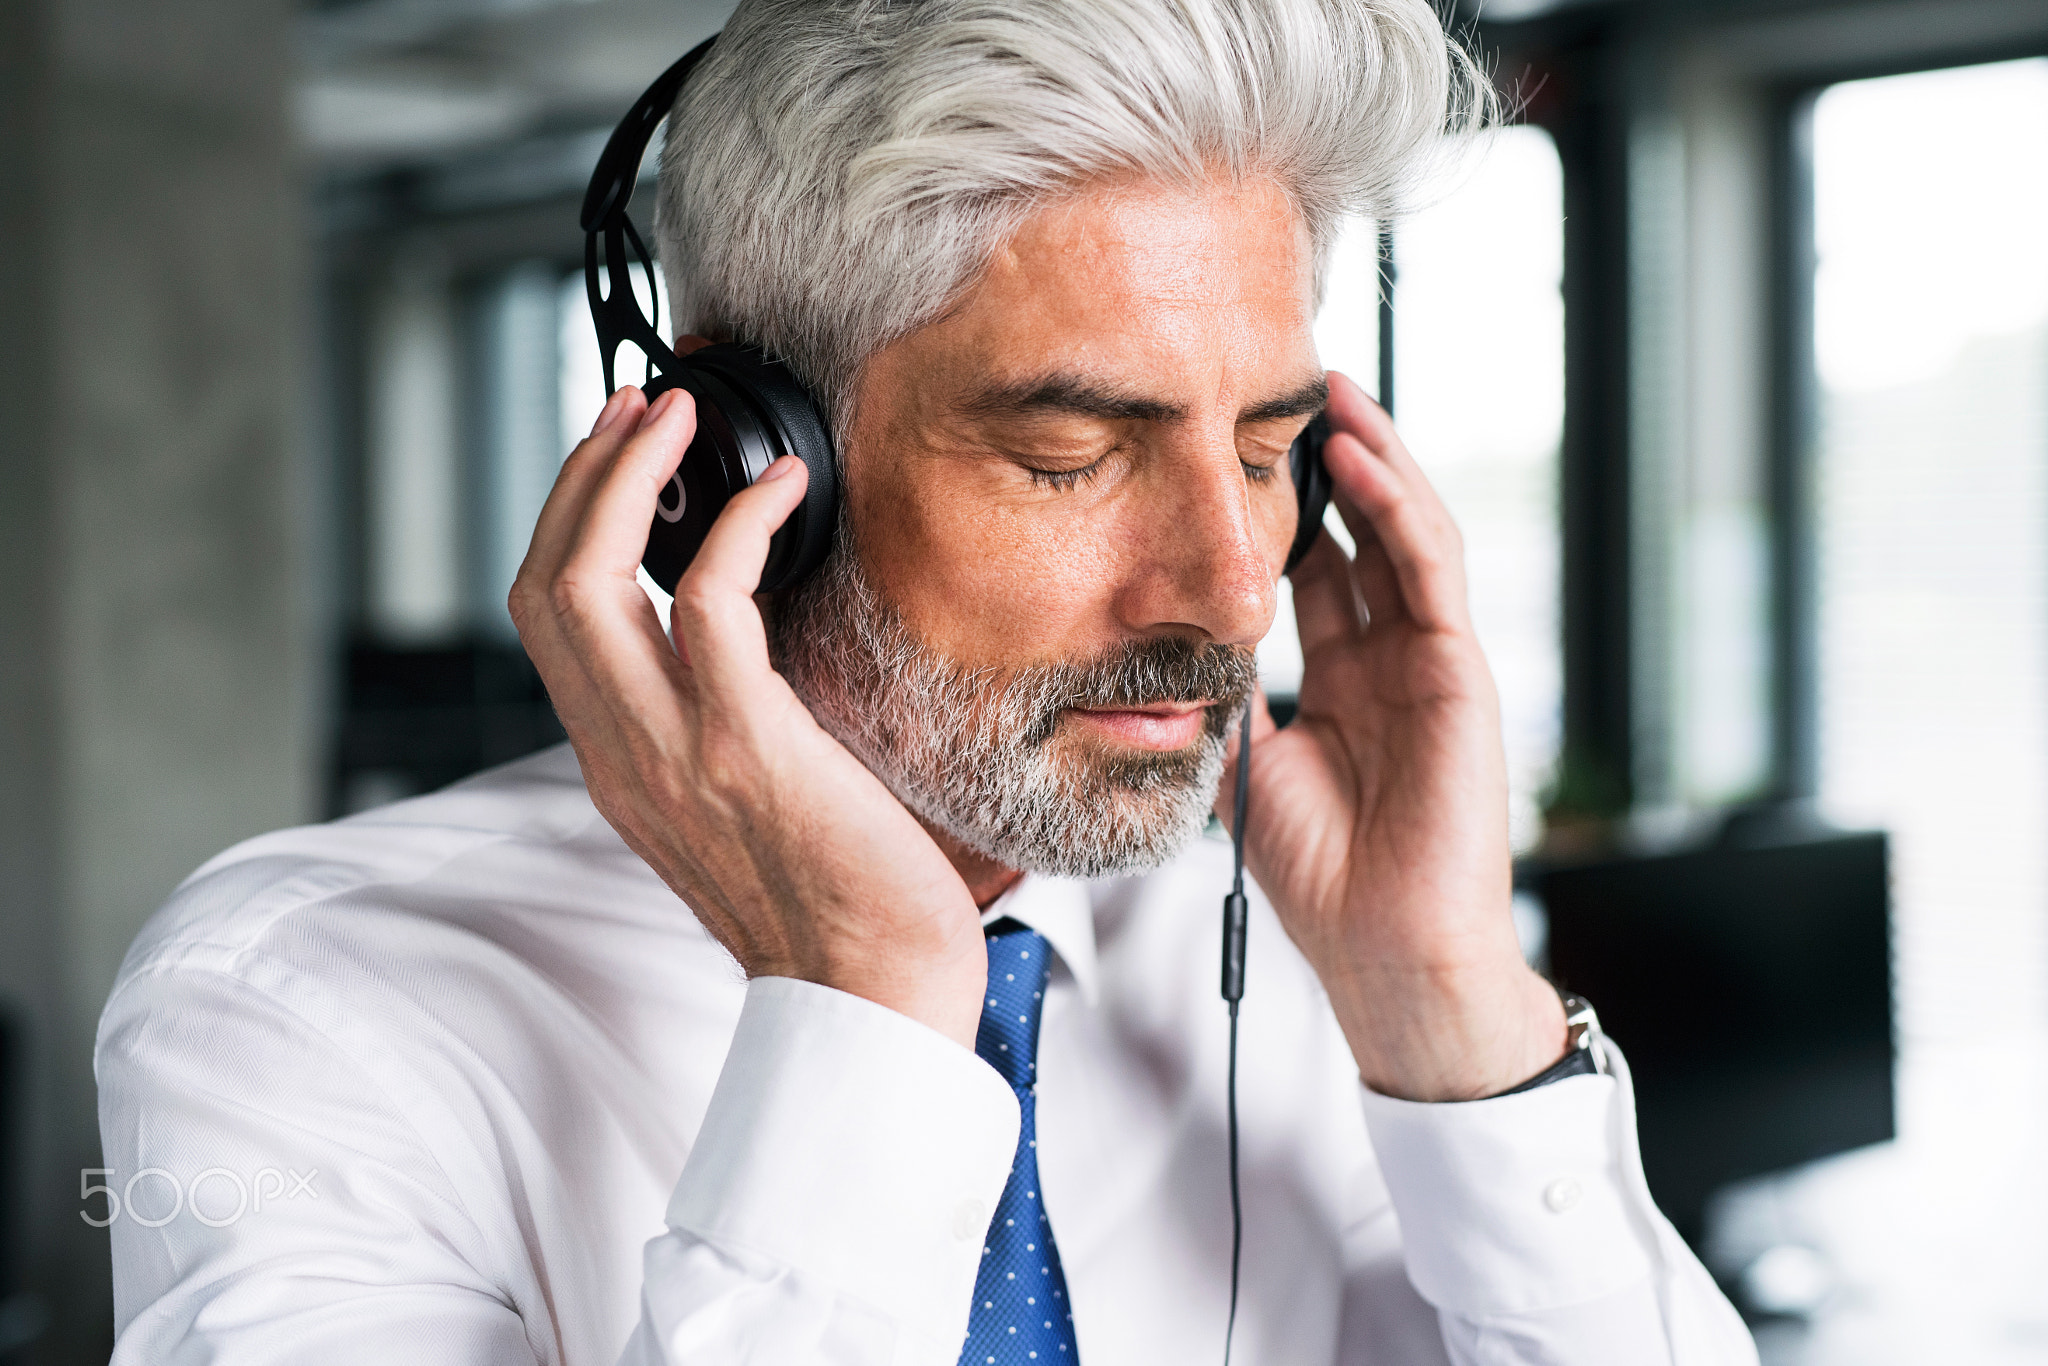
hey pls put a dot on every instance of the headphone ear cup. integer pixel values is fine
(797, 427)
(751, 411)
(1311, 486)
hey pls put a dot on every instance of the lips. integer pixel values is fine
(1155, 726)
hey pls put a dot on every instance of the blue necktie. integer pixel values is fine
(1021, 1316)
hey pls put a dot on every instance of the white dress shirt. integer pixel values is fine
(460, 1081)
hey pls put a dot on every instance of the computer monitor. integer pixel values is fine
(1750, 989)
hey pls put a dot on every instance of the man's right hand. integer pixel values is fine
(793, 855)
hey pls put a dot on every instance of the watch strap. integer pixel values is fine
(1581, 1058)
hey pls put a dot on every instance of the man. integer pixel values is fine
(906, 860)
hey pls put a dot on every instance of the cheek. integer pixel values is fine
(1279, 513)
(1006, 586)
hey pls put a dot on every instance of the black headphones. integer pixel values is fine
(751, 410)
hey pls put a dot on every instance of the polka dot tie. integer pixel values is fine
(1021, 1316)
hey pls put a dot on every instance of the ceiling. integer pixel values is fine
(390, 85)
(409, 85)
(414, 109)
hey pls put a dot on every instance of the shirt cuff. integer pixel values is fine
(1516, 1204)
(853, 1144)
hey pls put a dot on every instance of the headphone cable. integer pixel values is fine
(1233, 991)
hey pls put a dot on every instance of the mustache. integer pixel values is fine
(1135, 674)
(965, 743)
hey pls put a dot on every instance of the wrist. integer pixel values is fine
(942, 991)
(1451, 1034)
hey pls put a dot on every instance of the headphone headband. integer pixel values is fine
(618, 168)
(750, 409)
(614, 309)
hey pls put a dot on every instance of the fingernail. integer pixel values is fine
(785, 465)
(657, 408)
(610, 413)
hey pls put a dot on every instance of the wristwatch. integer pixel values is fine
(1582, 1055)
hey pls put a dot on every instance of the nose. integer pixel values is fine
(1200, 562)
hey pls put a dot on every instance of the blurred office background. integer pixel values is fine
(1731, 358)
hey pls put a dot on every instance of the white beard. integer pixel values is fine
(970, 749)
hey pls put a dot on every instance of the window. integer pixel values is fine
(582, 373)
(1931, 495)
(1931, 341)
(1479, 397)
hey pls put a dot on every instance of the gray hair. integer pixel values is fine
(838, 171)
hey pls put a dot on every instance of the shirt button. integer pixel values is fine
(970, 1220)
(1561, 1194)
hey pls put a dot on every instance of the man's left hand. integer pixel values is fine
(1379, 817)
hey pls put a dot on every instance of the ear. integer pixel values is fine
(690, 342)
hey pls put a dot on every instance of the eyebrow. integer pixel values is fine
(1080, 397)
(1306, 401)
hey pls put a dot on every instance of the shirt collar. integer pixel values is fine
(1059, 909)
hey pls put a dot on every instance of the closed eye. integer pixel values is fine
(1066, 480)
(1063, 480)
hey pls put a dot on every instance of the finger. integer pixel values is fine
(579, 474)
(1374, 581)
(1421, 545)
(718, 626)
(1326, 602)
(611, 535)
(1377, 584)
(533, 599)
(594, 597)
(1351, 409)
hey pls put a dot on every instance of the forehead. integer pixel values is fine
(1140, 270)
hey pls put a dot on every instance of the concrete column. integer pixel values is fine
(156, 641)
(519, 391)
(414, 572)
